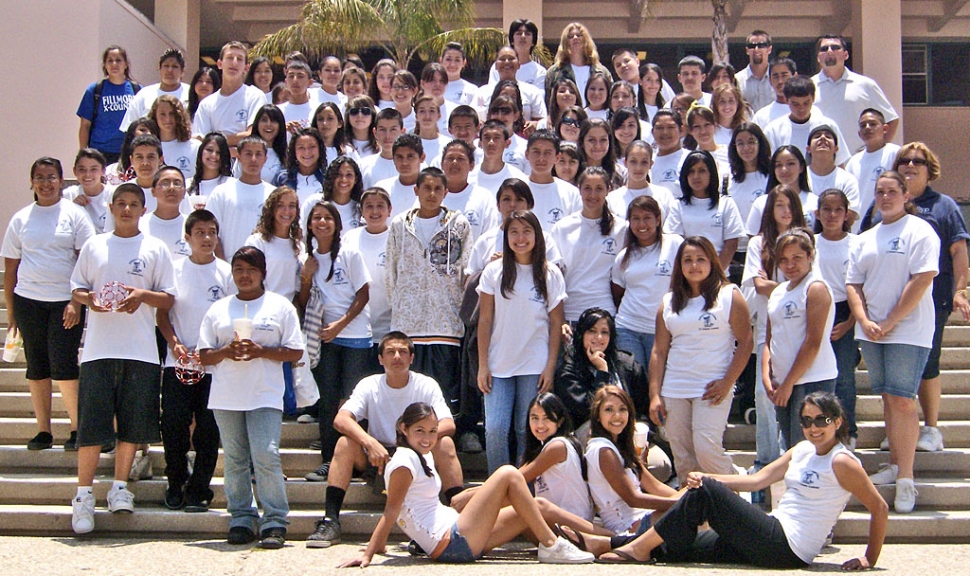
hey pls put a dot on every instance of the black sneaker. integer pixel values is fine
(174, 498)
(316, 445)
(326, 533)
(272, 538)
(195, 505)
(71, 444)
(320, 474)
(239, 535)
(415, 549)
(42, 441)
(108, 448)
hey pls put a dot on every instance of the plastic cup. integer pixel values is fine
(640, 432)
(243, 327)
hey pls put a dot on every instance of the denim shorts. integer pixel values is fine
(457, 550)
(894, 369)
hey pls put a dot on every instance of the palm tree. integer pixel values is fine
(404, 28)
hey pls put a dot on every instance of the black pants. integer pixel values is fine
(443, 363)
(180, 403)
(740, 533)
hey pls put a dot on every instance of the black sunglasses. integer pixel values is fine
(829, 48)
(753, 45)
(820, 421)
(366, 111)
(913, 161)
(571, 122)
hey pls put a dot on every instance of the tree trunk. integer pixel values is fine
(719, 38)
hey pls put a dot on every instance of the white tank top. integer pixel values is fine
(813, 499)
(618, 516)
(698, 334)
(788, 314)
(563, 484)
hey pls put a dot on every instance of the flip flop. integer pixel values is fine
(622, 558)
(578, 542)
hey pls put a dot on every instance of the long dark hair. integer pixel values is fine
(624, 441)
(556, 411)
(414, 413)
(331, 175)
(586, 321)
(372, 90)
(617, 119)
(509, 271)
(769, 228)
(795, 151)
(700, 157)
(680, 291)
(607, 219)
(552, 106)
(267, 219)
(340, 141)
(843, 199)
(362, 102)
(609, 161)
(279, 142)
(764, 152)
(216, 85)
(641, 100)
(225, 160)
(337, 227)
(828, 403)
(649, 204)
(292, 164)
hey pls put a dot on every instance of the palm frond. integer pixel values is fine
(480, 44)
(325, 27)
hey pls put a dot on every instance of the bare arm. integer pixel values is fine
(346, 424)
(332, 330)
(961, 271)
(727, 252)
(658, 366)
(853, 478)
(816, 308)
(912, 293)
(552, 454)
(717, 390)
(165, 326)
(556, 319)
(397, 489)
(761, 479)
(10, 266)
(891, 127)
(486, 315)
(84, 133)
(615, 474)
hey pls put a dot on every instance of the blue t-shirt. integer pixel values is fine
(105, 135)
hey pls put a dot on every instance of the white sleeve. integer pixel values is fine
(925, 253)
(752, 262)
(674, 223)
(617, 272)
(555, 287)
(753, 223)
(731, 225)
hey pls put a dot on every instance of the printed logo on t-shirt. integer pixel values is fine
(339, 276)
(182, 248)
(555, 214)
(810, 479)
(241, 115)
(64, 227)
(137, 267)
(718, 221)
(540, 485)
(877, 171)
(609, 246)
(896, 246)
(536, 296)
(214, 292)
(707, 321)
(791, 310)
(472, 216)
(182, 162)
(262, 325)
(117, 103)
(381, 259)
(664, 268)
(670, 175)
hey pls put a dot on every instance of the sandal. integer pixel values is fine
(622, 558)
(578, 541)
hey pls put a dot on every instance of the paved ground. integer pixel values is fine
(111, 556)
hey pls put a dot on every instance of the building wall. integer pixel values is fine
(941, 128)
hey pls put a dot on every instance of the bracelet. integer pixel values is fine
(963, 292)
(306, 280)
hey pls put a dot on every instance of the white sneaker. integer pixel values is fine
(884, 445)
(930, 439)
(563, 552)
(121, 501)
(306, 419)
(141, 467)
(82, 518)
(886, 475)
(905, 496)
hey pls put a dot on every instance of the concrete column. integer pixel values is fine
(516, 9)
(877, 48)
(180, 21)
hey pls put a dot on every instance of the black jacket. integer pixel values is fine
(576, 386)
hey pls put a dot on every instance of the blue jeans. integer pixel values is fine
(253, 435)
(788, 423)
(766, 437)
(640, 344)
(846, 359)
(508, 402)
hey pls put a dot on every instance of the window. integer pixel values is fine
(915, 77)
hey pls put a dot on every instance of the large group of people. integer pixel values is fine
(579, 262)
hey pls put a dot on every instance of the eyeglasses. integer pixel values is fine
(820, 421)
(501, 110)
(364, 110)
(753, 45)
(401, 87)
(166, 184)
(913, 161)
(41, 179)
(570, 122)
(830, 48)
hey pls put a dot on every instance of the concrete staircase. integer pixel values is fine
(36, 487)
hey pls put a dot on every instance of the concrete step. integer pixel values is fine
(956, 434)
(956, 336)
(18, 405)
(920, 526)
(951, 463)
(934, 494)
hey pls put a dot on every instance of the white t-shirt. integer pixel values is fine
(237, 206)
(298, 113)
(618, 516)
(320, 96)
(206, 188)
(788, 313)
(478, 206)
(770, 113)
(375, 168)
(783, 131)
(140, 262)
(349, 213)
(403, 197)
(619, 199)
(843, 100)
(373, 247)
(718, 225)
(666, 171)
(97, 206)
(832, 259)
(722, 135)
(697, 333)
(531, 72)
(757, 303)
(373, 400)
(520, 325)
(645, 279)
(182, 155)
(423, 517)
(257, 383)
(885, 259)
(866, 167)
(563, 484)
(809, 206)
(434, 146)
(492, 182)
(349, 276)
(588, 256)
(197, 288)
(744, 195)
(270, 171)
(555, 201)
(460, 91)
(306, 186)
(171, 232)
(282, 263)
(228, 114)
(839, 179)
(45, 240)
(141, 103)
(514, 155)
(493, 242)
